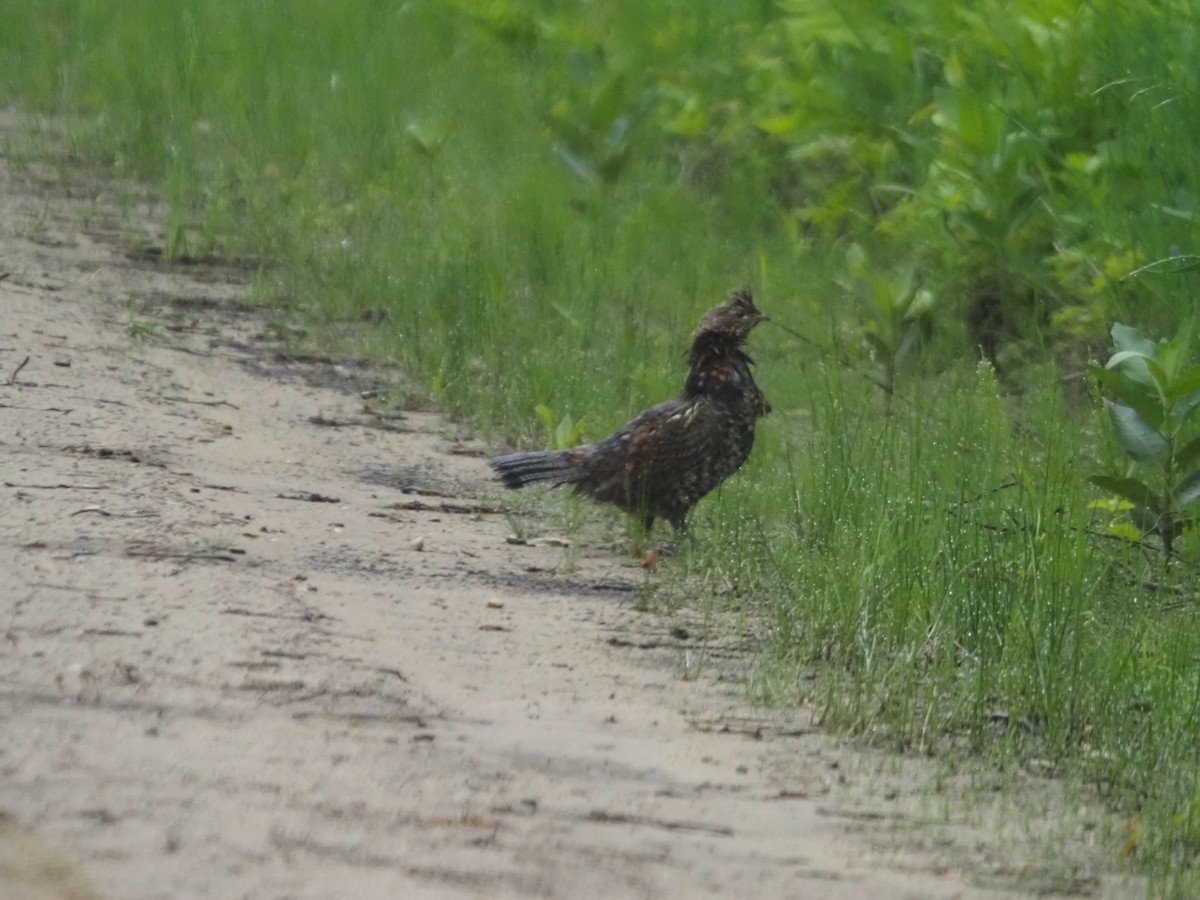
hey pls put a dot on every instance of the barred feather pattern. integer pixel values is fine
(660, 463)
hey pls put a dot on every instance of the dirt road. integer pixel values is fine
(259, 642)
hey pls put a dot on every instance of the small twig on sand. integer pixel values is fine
(599, 815)
(54, 487)
(101, 511)
(12, 379)
(306, 616)
(445, 506)
(307, 498)
(151, 553)
(57, 409)
(188, 350)
(201, 402)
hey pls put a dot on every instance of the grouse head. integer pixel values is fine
(725, 327)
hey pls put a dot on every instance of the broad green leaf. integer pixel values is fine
(1141, 441)
(1129, 488)
(1169, 359)
(1189, 455)
(978, 123)
(1125, 530)
(1126, 338)
(1174, 353)
(1185, 405)
(1159, 373)
(567, 434)
(1140, 397)
(1184, 383)
(1112, 504)
(780, 125)
(1184, 392)
(1188, 490)
(1133, 364)
(691, 120)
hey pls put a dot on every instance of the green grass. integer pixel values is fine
(531, 207)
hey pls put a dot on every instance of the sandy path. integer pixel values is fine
(215, 683)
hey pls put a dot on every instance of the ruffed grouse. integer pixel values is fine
(661, 462)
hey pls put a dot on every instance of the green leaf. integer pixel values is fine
(1144, 398)
(1161, 379)
(1188, 490)
(1185, 405)
(1186, 457)
(978, 122)
(1129, 488)
(1140, 440)
(1184, 393)
(691, 120)
(1126, 338)
(1174, 353)
(1133, 365)
(1125, 530)
(568, 433)
(780, 125)
(1184, 383)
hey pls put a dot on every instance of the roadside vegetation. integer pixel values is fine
(977, 543)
